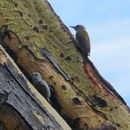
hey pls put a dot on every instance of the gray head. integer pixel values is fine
(78, 27)
(36, 76)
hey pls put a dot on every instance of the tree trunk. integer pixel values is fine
(38, 41)
(21, 106)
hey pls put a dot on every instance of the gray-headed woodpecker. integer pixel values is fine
(82, 40)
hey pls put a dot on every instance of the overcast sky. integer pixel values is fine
(108, 24)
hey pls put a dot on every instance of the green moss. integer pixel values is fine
(25, 16)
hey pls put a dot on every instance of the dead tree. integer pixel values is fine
(37, 40)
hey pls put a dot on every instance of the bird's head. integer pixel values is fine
(35, 76)
(78, 27)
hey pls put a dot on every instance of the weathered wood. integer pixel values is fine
(20, 108)
(80, 94)
(106, 85)
(48, 55)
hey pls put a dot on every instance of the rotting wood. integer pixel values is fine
(73, 91)
(97, 113)
(106, 85)
(84, 102)
(19, 100)
(52, 60)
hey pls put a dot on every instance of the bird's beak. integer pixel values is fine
(72, 27)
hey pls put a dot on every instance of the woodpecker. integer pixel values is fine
(41, 85)
(82, 40)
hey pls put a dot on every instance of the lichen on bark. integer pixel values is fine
(84, 101)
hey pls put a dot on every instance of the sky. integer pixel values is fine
(108, 25)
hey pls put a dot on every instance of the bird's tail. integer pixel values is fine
(85, 57)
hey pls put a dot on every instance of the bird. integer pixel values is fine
(82, 40)
(41, 85)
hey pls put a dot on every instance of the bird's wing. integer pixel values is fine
(84, 41)
(43, 88)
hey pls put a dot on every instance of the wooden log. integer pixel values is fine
(21, 106)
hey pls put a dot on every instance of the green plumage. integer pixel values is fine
(83, 41)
